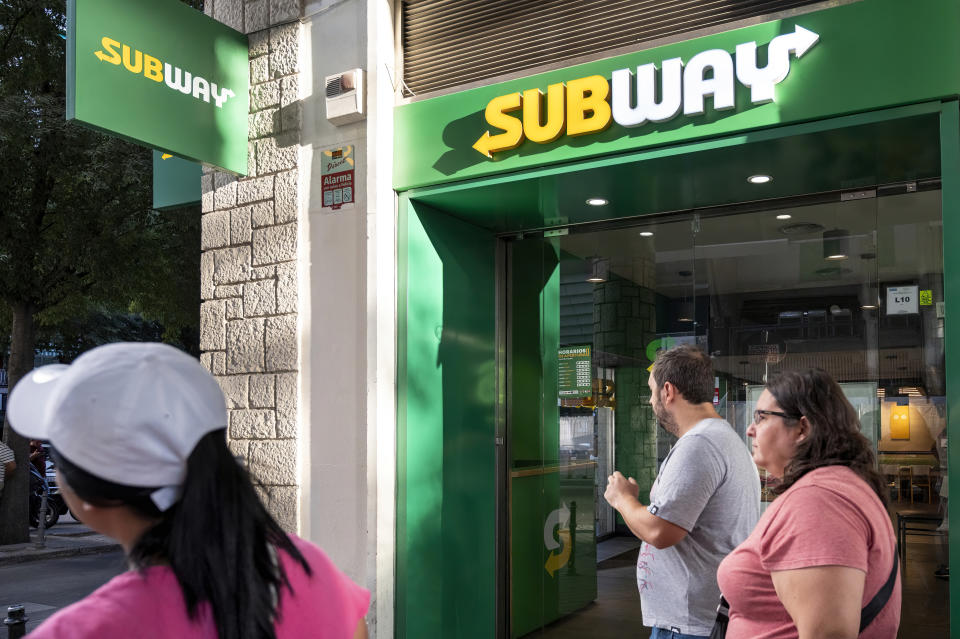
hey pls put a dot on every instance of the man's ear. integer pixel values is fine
(803, 430)
(669, 392)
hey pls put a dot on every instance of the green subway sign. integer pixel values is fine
(160, 74)
(851, 58)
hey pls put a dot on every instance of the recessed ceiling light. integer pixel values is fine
(868, 307)
(836, 257)
(784, 216)
(646, 234)
(597, 201)
(759, 179)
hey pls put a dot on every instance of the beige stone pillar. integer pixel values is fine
(248, 318)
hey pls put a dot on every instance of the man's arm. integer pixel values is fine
(622, 494)
(9, 467)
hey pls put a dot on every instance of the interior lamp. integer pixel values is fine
(836, 245)
(900, 422)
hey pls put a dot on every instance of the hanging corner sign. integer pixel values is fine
(337, 175)
(162, 75)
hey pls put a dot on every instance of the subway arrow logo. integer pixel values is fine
(590, 105)
(138, 62)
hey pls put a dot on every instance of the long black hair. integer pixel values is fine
(218, 539)
(834, 439)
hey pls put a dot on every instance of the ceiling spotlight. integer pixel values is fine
(759, 179)
(869, 307)
(646, 234)
(597, 201)
(784, 216)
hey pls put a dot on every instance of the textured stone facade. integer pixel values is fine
(248, 318)
(625, 321)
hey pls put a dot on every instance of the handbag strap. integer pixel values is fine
(872, 609)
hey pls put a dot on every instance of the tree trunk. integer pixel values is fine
(13, 502)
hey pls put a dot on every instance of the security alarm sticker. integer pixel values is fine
(337, 175)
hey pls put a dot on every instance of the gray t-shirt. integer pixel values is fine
(709, 486)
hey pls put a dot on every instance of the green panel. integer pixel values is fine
(843, 153)
(108, 90)
(547, 581)
(950, 151)
(446, 493)
(176, 182)
(871, 54)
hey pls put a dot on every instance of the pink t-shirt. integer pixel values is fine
(830, 517)
(150, 605)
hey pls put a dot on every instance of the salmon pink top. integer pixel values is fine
(829, 517)
(149, 605)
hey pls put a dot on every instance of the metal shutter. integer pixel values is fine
(448, 43)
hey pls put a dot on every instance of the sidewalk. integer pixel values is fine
(68, 538)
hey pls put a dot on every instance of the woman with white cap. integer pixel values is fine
(138, 436)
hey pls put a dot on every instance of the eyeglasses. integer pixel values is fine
(758, 415)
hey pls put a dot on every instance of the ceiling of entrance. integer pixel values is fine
(671, 180)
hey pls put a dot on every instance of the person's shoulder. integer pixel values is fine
(836, 485)
(715, 433)
(835, 479)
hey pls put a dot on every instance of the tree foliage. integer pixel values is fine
(80, 246)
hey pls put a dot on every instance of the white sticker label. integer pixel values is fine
(902, 300)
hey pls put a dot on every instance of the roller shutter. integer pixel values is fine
(448, 43)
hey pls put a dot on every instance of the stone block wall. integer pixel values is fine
(624, 323)
(248, 317)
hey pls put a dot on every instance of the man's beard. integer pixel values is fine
(666, 420)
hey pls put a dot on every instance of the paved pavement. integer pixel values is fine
(67, 538)
(47, 585)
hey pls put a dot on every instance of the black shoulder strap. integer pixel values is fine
(872, 609)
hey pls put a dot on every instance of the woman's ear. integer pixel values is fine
(803, 430)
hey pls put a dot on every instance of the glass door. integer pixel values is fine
(585, 312)
(853, 286)
(849, 283)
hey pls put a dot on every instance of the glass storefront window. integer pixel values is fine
(853, 286)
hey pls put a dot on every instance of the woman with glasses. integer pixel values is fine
(822, 560)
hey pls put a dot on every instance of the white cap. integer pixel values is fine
(129, 413)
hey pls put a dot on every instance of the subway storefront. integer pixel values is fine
(781, 194)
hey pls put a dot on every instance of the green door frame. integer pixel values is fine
(950, 181)
(444, 263)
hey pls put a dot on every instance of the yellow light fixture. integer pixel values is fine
(900, 422)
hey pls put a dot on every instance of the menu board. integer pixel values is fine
(576, 371)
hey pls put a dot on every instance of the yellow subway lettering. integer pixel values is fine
(137, 64)
(110, 47)
(534, 128)
(496, 115)
(587, 108)
(152, 68)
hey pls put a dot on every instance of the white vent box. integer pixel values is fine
(345, 97)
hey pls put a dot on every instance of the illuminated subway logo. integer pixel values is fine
(591, 104)
(138, 62)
